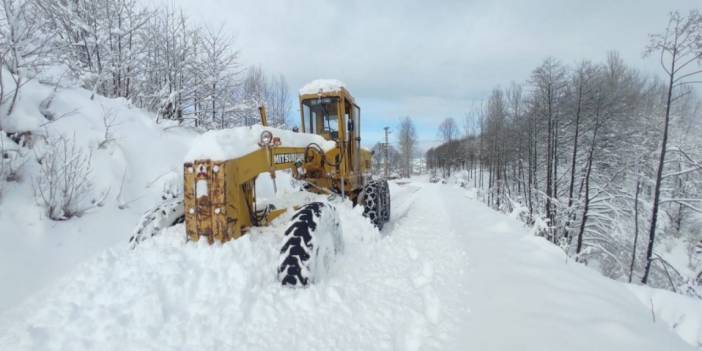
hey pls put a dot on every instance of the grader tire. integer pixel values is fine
(386, 202)
(373, 204)
(168, 213)
(311, 239)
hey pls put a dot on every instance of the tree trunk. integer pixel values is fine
(659, 174)
(549, 163)
(574, 157)
(636, 228)
(586, 206)
(586, 181)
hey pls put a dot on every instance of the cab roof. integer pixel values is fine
(322, 86)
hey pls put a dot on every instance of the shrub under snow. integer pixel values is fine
(62, 185)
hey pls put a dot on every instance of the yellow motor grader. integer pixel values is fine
(219, 199)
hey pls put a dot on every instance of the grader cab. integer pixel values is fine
(219, 197)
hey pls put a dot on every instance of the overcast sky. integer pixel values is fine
(429, 59)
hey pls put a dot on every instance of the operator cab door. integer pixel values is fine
(356, 136)
(353, 138)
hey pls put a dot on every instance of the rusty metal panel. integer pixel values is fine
(203, 208)
(217, 193)
(189, 203)
(238, 216)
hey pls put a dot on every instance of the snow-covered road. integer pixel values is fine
(447, 273)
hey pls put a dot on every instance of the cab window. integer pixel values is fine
(321, 117)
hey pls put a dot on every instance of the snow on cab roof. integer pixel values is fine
(227, 144)
(322, 86)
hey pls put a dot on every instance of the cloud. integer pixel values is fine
(430, 59)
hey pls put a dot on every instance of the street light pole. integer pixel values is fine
(387, 131)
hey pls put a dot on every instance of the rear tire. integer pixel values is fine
(373, 204)
(386, 202)
(311, 241)
(168, 213)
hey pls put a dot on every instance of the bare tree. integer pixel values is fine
(549, 82)
(278, 101)
(448, 129)
(219, 69)
(254, 87)
(394, 158)
(583, 82)
(680, 49)
(258, 90)
(407, 139)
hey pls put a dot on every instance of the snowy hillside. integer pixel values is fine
(128, 173)
(447, 273)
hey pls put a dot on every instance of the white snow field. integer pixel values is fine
(447, 273)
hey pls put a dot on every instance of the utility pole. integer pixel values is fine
(387, 131)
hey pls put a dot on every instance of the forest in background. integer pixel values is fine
(155, 58)
(603, 160)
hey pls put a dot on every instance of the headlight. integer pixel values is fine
(266, 138)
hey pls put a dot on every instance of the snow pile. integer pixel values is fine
(225, 144)
(322, 86)
(172, 295)
(681, 313)
(437, 280)
(130, 170)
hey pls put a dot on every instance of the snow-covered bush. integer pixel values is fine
(63, 186)
(12, 157)
(109, 121)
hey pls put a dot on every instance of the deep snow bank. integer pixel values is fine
(168, 294)
(449, 274)
(682, 314)
(129, 173)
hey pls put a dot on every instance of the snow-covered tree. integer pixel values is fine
(407, 140)
(23, 47)
(680, 49)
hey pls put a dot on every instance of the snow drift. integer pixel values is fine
(436, 280)
(131, 165)
(225, 144)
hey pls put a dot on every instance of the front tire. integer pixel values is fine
(311, 241)
(168, 213)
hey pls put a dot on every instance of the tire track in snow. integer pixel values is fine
(436, 268)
